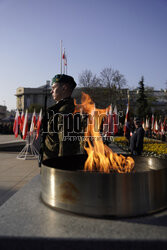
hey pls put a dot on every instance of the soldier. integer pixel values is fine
(59, 139)
(136, 141)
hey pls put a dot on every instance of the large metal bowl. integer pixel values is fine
(66, 186)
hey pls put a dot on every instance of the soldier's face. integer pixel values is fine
(57, 91)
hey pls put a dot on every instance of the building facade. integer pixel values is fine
(25, 97)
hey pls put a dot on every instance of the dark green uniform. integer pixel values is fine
(55, 143)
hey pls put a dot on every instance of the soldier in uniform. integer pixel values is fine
(60, 120)
(136, 141)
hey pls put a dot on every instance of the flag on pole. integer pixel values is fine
(33, 121)
(127, 119)
(147, 123)
(155, 126)
(25, 126)
(143, 124)
(152, 122)
(115, 120)
(22, 121)
(110, 121)
(39, 123)
(16, 123)
(64, 58)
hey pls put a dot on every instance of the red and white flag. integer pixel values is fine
(143, 124)
(25, 126)
(64, 58)
(39, 123)
(115, 120)
(152, 122)
(16, 123)
(22, 121)
(156, 126)
(127, 119)
(147, 123)
(110, 121)
(162, 128)
(33, 121)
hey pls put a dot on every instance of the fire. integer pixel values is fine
(100, 156)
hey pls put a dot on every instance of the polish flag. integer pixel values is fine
(110, 121)
(127, 119)
(16, 124)
(152, 122)
(22, 121)
(25, 126)
(39, 123)
(64, 58)
(115, 120)
(33, 121)
(162, 128)
(143, 124)
(156, 126)
(147, 123)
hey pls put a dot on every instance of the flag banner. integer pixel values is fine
(39, 123)
(152, 123)
(22, 121)
(143, 124)
(33, 121)
(25, 126)
(155, 126)
(127, 120)
(16, 124)
(64, 58)
(147, 123)
(110, 121)
(115, 120)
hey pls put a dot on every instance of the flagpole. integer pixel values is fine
(64, 61)
(60, 56)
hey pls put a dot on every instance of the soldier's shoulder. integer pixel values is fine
(67, 106)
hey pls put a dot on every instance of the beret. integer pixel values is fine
(66, 79)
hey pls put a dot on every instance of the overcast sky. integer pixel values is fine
(127, 35)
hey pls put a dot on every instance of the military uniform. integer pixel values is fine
(57, 141)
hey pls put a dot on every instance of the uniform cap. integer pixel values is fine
(61, 78)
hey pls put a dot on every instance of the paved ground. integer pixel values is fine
(14, 173)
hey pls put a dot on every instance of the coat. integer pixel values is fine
(136, 141)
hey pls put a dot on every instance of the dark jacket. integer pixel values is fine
(136, 141)
(60, 139)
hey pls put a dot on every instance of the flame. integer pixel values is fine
(100, 156)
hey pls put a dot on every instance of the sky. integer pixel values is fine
(126, 35)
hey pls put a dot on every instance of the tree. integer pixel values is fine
(142, 104)
(87, 79)
(112, 78)
(114, 81)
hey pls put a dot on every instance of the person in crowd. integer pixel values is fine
(136, 141)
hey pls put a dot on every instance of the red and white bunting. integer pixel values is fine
(16, 123)
(39, 123)
(33, 121)
(25, 125)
